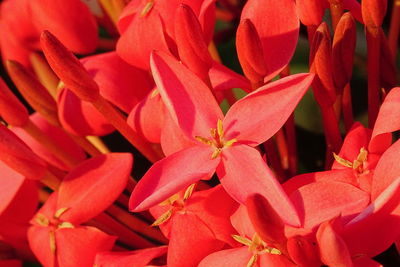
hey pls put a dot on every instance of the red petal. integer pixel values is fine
(303, 251)
(373, 12)
(259, 115)
(243, 173)
(71, 21)
(11, 109)
(321, 201)
(223, 78)
(188, 232)
(79, 117)
(188, 99)
(79, 246)
(60, 138)
(388, 121)
(143, 35)
(241, 222)
(39, 241)
(365, 262)
(119, 82)
(11, 181)
(172, 137)
(147, 117)
(387, 170)
(310, 12)
(332, 248)
(278, 27)
(101, 178)
(137, 258)
(17, 155)
(214, 207)
(229, 257)
(10, 263)
(357, 137)
(172, 174)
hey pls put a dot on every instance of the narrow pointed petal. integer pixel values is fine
(333, 249)
(187, 98)
(387, 122)
(172, 174)
(278, 27)
(11, 182)
(79, 246)
(243, 173)
(59, 136)
(102, 178)
(39, 242)
(266, 221)
(234, 257)
(188, 232)
(11, 109)
(17, 155)
(258, 116)
(70, 20)
(68, 68)
(321, 201)
(136, 258)
(241, 222)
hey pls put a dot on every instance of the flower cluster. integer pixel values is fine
(223, 187)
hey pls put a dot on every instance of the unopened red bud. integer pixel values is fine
(373, 12)
(321, 65)
(343, 48)
(303, 251)
(18, 156)
(68, 68)
(192, 47)
(387, 64)
(267, 223)
(250, 52)
(11, 109)
(333, 249)
(33, 91)
(310, 12)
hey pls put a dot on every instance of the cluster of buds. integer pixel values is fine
(216, 178)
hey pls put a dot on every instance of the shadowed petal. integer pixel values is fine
(243, 173)
(259, 115)
(187, 98)
(93, 186)
(172, 174)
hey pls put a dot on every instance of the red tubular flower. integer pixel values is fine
(373, 12)
(228, 148)
(277, 27)
(56, 237)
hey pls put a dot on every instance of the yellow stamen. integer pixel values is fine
(252, 260)
(163, 218)
(147, 8)
(52, 237)
(242, 240)
(42, 220)
(188, 192)
(220, 129)
(342, 161)
(60, 212)
(65, 225)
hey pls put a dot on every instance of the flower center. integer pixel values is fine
(217, 140)
(257, 246)
(175, 203)
(358, 164)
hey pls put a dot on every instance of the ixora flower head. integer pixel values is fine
(220, 144)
